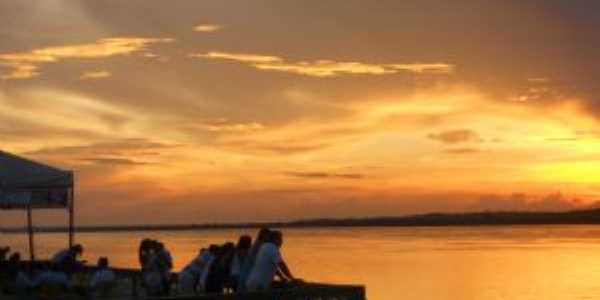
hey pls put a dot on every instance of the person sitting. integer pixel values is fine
(165, 265)
(53, 283)
(219, 270)
(103, 280)
(3, 262)
(189, 277)
(4, 253)
(66, 259)
(269, 262)
(13, 267)
(263, 235)
(145, 251)
(25, 283)
(156, 274)
(210, 259)
(241, 253)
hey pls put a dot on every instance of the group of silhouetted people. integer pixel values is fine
(245, 266)
(53, 279)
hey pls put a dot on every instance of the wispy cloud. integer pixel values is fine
(463, 151)
(240, 57)
(119, 147)
(281, 147)
(322, 175)
(329, 68)
(325, 68)
(25, 64)
(19, 70)
(115, 161)
(208, 27)
(95, 75)
(117, 152)
(455, 136)
(223, 125)
(538, 80)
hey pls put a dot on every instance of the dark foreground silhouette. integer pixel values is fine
(249, 267)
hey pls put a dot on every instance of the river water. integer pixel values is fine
(420, 263)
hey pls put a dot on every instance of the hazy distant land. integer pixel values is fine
(591, 216)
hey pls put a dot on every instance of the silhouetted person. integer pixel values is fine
(14, 266)
(189, 277)
(3, 259)
(145, 251)
(213, 251)
(25, 281)
(165, 265)
(263, 235)
(103, 279)
(53, 282)
(66, 260)
(241, 253)
(218, 274)
(4, 253)
(269, 262)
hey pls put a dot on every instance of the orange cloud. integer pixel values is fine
(455, 136)
(207, 28)
(324, 175)
(95, 75)
(239, 57)
(19, 70)
(328, 68)
(25, 64)
(223, 125)
(325, 68)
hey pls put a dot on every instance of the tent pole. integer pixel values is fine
(30, 231)
(71, 217)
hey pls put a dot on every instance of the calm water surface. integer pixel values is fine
(506, 262)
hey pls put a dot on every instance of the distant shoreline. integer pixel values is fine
(578, 217)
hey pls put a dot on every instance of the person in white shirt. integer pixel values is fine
(248, 265)
(268, 263)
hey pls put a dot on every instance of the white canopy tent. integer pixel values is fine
(27, 185)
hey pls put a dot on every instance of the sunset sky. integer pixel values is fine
(223, 111)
